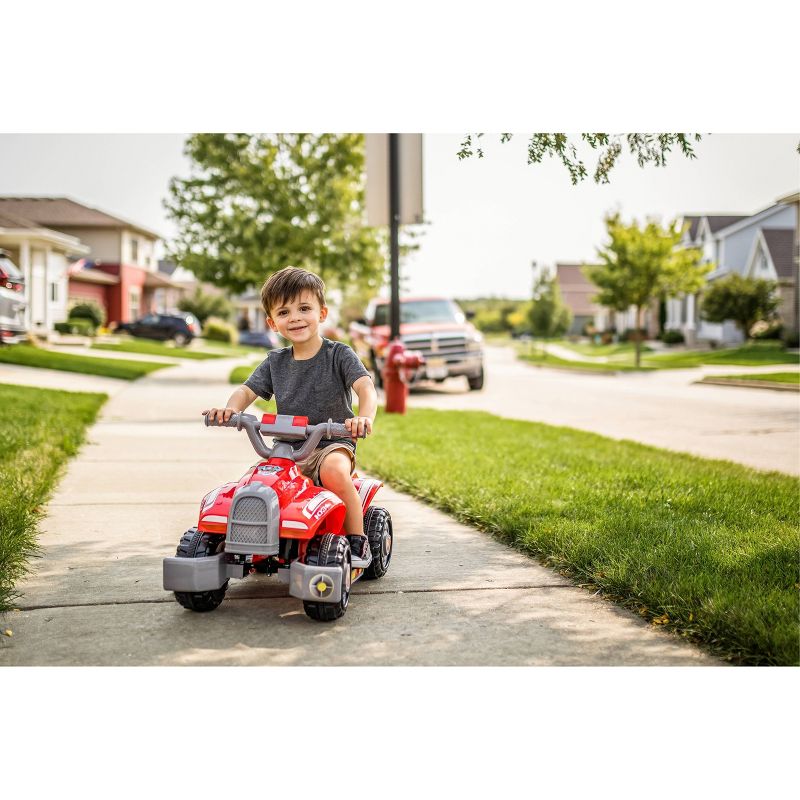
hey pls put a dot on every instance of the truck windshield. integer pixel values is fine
(421, 311)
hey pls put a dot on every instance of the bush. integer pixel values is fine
(217, 330)
(83, 327)
(88, 309)
(206, 306)
(791, 339)
(767, 330)
(630, 335)
(672, 337)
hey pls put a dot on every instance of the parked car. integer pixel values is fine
(180, 327)
(436, 327)
(12, 301)
(265, 338)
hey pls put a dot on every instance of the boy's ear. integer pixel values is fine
(323, 313)
(272, 325)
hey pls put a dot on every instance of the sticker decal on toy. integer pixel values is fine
(314, 503)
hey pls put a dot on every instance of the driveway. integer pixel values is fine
(756, 427)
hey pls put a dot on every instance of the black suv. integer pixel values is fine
(180, 327)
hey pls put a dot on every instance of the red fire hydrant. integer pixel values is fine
(398, 368)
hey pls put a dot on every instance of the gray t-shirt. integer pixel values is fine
(318, 388)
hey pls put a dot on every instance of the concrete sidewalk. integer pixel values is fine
(453, 595)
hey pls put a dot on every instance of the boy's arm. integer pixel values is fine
(237, 402)
(367, 407)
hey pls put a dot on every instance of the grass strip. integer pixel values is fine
(753, 354)
(27, 356)
(541, 360)
(706, 548)
(40, 429)
(766, 377)
(156, 349)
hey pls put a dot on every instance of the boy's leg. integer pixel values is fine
(335, 474)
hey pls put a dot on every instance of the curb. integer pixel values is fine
(775, 387)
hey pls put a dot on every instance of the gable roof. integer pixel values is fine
(63, 212)
(694, 222)
(718, 222)
(779, 242)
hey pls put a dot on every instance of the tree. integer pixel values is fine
(649, 148)
(255, 203)
(204, 305)
(641, 264)
(548, 315)
(744, 300)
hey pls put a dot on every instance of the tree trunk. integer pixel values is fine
(638, 336)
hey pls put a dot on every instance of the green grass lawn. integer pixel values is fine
(152, 348)
(600, 350)
(32, 451)
(27, 356)
(548, 360)
(771, 377)
(753, 354)
(707, 548)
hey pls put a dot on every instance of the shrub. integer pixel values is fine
(77, 325)
(767, 330)
(217, 330)
(672, 337)
(206, 306)
(631, 334)
(791, 339)
(88, 309)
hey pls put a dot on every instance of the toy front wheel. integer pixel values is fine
(378, 528)
(330, 551)
(194, 544)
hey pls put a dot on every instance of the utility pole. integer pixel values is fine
(394, 235)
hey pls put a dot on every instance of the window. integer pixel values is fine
(53, 292)
(135, 251)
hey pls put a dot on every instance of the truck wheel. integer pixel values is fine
(330, 550)
(476, 383)
(378, 528)
(194, 544)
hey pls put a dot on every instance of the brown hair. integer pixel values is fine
(288, 283)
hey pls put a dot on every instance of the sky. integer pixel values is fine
(487, 219)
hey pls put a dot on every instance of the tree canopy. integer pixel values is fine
(744, 300)
(255, 203)
(648, 148)
(547, 314)
(643, 263)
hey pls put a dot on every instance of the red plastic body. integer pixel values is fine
(400, 365)
(306, 510)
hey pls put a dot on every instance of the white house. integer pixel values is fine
(728, 242)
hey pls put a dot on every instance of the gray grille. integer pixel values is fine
(437, 346)
(249, 521)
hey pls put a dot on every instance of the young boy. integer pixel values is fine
(312, 378)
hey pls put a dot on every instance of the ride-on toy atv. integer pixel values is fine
(275, 520)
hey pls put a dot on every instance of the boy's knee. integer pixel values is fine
(335, 470)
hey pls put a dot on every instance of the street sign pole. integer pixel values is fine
(394, 234)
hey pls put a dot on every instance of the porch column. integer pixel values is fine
(25, 266)
(47, 281)
(690, 320)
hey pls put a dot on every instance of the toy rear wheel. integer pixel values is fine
(330, 551)
(194, 544)
(378, 528)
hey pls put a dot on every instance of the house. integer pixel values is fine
(577, 292)
(43, 255)
(728, 242)
(118, 268)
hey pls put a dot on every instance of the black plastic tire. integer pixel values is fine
(330, 551)
(377, 378)
(378, 528)
(476, 383)
(194, 544)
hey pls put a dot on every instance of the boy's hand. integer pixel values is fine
(220, 414)
(359, 427)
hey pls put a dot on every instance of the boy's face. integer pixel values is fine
(298, 320)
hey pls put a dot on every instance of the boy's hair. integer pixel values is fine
(284, 285)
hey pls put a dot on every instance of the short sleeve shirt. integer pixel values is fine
(319, 388)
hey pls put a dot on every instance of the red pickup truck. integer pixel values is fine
(433, 326)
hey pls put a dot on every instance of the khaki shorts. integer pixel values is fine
(310, 467)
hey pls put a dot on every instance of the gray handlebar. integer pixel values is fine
(255, 430)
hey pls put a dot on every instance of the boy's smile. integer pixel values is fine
(298, 320)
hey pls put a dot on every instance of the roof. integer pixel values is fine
(718, 222)
(693, 224)
(779, 242)
(63, 212)
(9, 220)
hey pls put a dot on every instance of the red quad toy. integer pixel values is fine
(276, 521)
